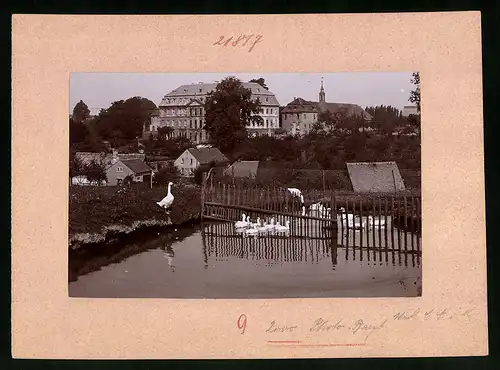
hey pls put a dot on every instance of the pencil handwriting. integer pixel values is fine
(240, 41)
(363, 328)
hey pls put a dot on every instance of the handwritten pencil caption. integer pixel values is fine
(361, 326)
(240, 41)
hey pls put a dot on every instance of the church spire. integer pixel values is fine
(322, 92)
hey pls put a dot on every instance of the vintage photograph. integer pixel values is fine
(244, 185)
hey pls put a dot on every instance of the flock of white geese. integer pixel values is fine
(270, 227)
(249, 228)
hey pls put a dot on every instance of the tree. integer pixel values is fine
(386, 119)
(124, 120)
(229, 109)
(166, 174)
(81, 112)
(415, 94)
(261, 82)
(77, 132)
(76, 166)
(95, 172)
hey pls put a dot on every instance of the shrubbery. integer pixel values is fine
(165, 174)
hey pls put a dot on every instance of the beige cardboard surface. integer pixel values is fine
(451, 316)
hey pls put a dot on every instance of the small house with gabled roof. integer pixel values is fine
(192, 158)
(136, 168)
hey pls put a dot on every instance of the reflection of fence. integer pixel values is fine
(221, 242)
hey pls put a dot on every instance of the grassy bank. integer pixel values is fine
(98, 213)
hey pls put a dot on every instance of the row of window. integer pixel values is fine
(291, 115)
(193, 123)
(173, 112)
(187, 100)
(272, 122)
(196, 137)
(269, 111)
(184, 100)
(306, 126)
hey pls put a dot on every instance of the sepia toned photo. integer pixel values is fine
(240, 185)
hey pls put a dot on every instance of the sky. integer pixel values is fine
(99, 90)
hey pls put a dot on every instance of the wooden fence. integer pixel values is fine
(390, 222)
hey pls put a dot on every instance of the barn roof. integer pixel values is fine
(382, 177)
(137, 166)
(207, 155)
(243, 169)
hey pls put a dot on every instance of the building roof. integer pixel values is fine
(243, 169)
(87, 157)
(409, 109)
(202, 89)
(349, 109)
(106, 158)
(381, 177)
(207, 155)
(300, 105)
(130, 156)
(137, 166)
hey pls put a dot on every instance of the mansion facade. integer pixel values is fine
(183, 110)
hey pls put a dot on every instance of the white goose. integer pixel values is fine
(270, 226)
(252, 231)
(351, 221)
(166, 202)
(283, 229)
(295, 192)
(241, 224)
(316, 206)
(254, 224)
(377, 222)
(262, 229)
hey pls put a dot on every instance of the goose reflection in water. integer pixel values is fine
(169, 254)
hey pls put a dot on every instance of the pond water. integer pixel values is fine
(214, 262)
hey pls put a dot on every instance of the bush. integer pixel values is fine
(95, 172)
(166, 174)
(128, 180)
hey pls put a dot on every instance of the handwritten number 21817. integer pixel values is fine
(241, 40)
(242, 323)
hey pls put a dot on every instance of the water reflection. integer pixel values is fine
(221, 241)
(169, 255)
(212, 261)
(89, 259)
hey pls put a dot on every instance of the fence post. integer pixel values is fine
(203, 186)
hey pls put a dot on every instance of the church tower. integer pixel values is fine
(322, 92)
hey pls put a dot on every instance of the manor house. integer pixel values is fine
(183, 110)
